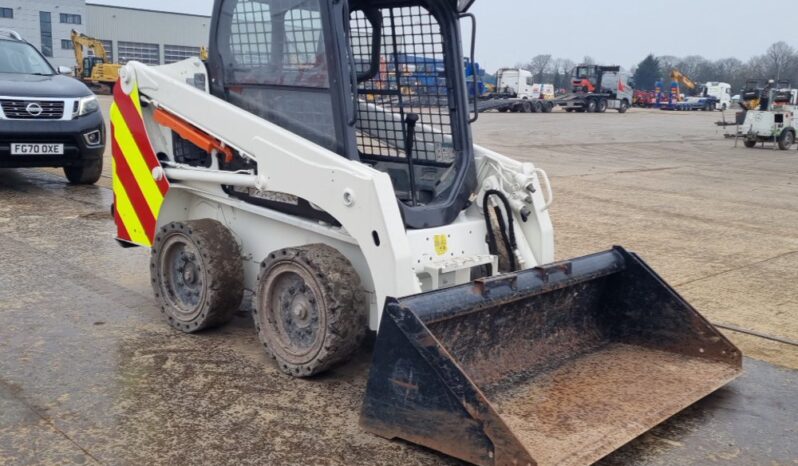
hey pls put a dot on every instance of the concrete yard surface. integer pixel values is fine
(91, 374)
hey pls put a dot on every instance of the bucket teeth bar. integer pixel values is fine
(554, 365)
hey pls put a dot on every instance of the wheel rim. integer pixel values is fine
(291, 313)
(182, 277)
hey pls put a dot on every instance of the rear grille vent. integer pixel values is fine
(33, 109)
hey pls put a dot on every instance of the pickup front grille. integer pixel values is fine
(33, 109)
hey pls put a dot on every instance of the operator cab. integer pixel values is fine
(377, 81)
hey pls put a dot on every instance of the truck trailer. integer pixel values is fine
(597, 88)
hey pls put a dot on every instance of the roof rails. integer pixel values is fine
(10, 33)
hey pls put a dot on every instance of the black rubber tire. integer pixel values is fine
(623, 107)
(87, 173)
(547, 107)
(590, 106)
(504, 110)
(338, 304)
(527, 107)
(601, 106)
(749, 143)
(220, 271)
(786, 140)
(569, 110)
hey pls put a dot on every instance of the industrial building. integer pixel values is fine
(152, 37)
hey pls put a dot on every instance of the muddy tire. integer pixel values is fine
(310, 310)
(749, 143)
(197, 274)
(786, 140)
(88, 173)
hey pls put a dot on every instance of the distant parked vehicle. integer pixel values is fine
(598, 88)
(516, 91)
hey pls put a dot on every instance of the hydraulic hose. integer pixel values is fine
(507, 230)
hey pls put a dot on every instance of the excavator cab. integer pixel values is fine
(89, 63)
(380, 82)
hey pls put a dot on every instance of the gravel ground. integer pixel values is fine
(89, 373)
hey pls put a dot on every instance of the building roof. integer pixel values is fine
(118, 7)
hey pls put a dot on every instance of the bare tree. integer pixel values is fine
(539, 66)
(780, 60)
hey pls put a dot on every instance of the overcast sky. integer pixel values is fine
(612, 32)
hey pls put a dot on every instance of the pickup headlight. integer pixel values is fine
(87, 105)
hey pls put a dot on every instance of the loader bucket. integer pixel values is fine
(557, 365)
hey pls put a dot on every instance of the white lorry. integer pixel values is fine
(714, 95)
(516, 91)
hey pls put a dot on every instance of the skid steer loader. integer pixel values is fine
(305, 162)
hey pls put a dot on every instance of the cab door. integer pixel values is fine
(281, 60)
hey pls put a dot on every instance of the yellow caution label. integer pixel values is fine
(441, 245)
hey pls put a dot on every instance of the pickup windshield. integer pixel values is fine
(22, 58)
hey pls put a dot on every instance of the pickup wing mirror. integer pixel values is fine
(64, 70)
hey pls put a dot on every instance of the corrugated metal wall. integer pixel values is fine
(140, 30)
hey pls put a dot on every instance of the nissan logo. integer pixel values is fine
(34, 109)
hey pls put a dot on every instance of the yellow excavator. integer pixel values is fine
(93, 68)
(678, 78)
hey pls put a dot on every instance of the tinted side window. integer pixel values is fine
(275, 65)
(277, 42)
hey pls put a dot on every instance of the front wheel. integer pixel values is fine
(310, 311)
(623, 107)
(197, 274)
(786, 140)
(88, 173)
(749, 143)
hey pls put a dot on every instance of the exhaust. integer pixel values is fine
(557, 365)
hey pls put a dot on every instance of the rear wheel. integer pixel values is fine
(197, 274)
(88, 173)
(591, 106)
(601, 107)
(310, 311)
(569, 110)
(749, 143)
(527, 107)
(504, 110)
(547, 107)
(786, 140)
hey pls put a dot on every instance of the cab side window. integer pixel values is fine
(275, 64)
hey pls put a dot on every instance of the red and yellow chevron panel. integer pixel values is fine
(137, 195)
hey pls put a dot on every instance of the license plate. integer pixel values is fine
(37, 149)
